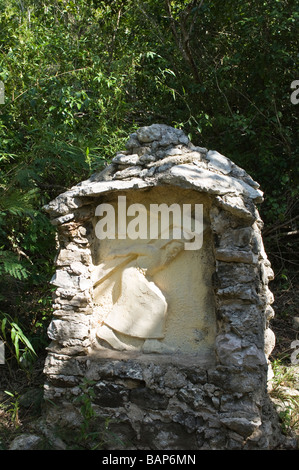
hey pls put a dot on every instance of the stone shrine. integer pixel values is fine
(162, 300)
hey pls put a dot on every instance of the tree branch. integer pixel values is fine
(183, 40)
(111, 52)
(282, 225)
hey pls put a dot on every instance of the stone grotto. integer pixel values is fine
(173, 336)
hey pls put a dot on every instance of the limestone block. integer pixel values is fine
(63, 219)
(252, 356)
(237, 256)
(84, 282)
(239, 291)
(174, 151)
(161, 134)
(242, 318)
(63, 330)
(75, 255)
(64, 293)
(149, 133)
(244, 427)
(104, 175)
(237, 206)
(26, 442)
(56, 364)
(229, 349)
(240, 237)
(65, 299)
(212, 183)
(125, 160)
(229, 272)
(63, 279)
(132, 141)
(267, 273)
(98, 188)
(218, 161)
(257, 242)
(148, 399)
(269, 342)
(147, 158)
(269, 313)
(266, 297)
(220, 221)
(63, 204)
(238, 172)
(129, 172)
(78, 268)
(196, 148)
(174, 136)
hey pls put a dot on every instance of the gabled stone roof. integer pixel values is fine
(160, 155)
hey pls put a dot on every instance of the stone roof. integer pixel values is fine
(160, 155)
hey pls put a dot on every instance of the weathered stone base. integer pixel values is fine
(164, 403)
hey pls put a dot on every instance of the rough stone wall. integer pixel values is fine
(168, 401)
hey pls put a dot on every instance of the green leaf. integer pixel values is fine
(3, 325)
(22, 337)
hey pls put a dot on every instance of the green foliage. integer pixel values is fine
(12, 407)
(286, 396)
(13, 337)
(9, 264)
(86, 409)
(94, 433)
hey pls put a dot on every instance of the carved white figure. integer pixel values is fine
(140, 310)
